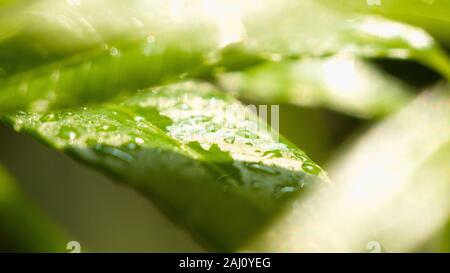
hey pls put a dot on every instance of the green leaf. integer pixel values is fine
(188, 148)
(431, 15)
(56, 55)
(43, 32)
(341, 83)
(298, 29)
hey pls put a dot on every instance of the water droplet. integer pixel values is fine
(132, 146)
(48, 117)
(114, 152)
(300, 156)
(67, 133)
(311, 168)
(272, 154)
(247, 134)
(139, 118)
(108, 128)
(212, 127)
(297, 177)
(258, 167)
(183, 106)
(274, 57)
(114, 52)
(281, 190)
(229, 139)
(139, 140)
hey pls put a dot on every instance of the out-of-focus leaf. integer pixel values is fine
(341, 83)
(67, 53)
(293, 29)
(197, 153)
(51, 29)
(98, 77)
(42, 32)
(24, 227)
(391, 188)
(431, 15)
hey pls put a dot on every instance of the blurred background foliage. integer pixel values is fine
(336, 87)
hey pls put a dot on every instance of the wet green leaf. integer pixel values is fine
(298, 29)
(204, 158)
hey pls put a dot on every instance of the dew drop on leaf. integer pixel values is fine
(48, 117)
(183, 106)
(311, 168)
(108, 128)
(114, 52)
(114, 152)
(67, 133)
(258, 167)
(272, 154)
(281, 190)
(229, 139)
(139, 140)
(247, 134)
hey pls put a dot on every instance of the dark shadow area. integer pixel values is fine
(410, 72)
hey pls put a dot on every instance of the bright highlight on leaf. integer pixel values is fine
(341, 83)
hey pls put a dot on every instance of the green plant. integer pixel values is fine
(142, 91)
